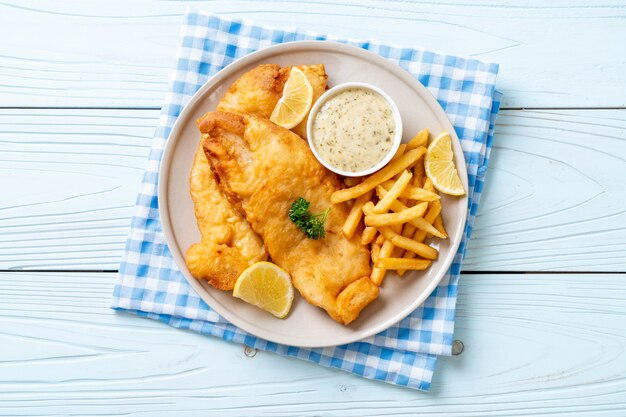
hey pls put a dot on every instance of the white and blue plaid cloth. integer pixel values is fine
(151, 285)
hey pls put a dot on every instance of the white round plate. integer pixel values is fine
(306, 325)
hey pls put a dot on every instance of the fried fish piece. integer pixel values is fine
(263, 168)
(257, 91)
(228, 245)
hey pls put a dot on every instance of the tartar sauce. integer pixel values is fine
(354, 130)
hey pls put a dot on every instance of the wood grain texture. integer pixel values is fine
(70, 181)
(555, 196)
(534, 345)
(118, 54)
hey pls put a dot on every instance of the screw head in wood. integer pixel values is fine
(457, 347)
(249, 352)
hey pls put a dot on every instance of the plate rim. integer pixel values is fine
(167, 156)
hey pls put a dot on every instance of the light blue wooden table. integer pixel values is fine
(542, 309)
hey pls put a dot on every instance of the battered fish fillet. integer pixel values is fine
(228, 245)
(257, 91)
(263, 168)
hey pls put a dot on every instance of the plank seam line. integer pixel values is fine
(566, 108)
(115, 271)
(543, 272)
(159, 108)
(77, 271)
(76, 108)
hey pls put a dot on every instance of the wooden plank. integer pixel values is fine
(70, 181)
(117, 53)
(554, 199)
(534, 345)
(555, 194)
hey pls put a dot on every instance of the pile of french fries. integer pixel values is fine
(395, 210)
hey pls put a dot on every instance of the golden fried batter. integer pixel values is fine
(228, 245)
(263, 168)
(258, 90)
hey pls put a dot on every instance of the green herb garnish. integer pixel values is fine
(311, 224)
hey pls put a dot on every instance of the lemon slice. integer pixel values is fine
(439, 166)
(296, 101)
(266, 286)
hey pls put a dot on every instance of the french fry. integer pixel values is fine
(407, 231)
(375, 252)
(428, 185)
(419, 248)
(385, 203)
(393, 168)
(368, 235)
(419, 223)
(378, 274)
(411, 192)
(433, 211)
(415, 193)
(402, 263)
(421, 139)
(401, 217)
(408, 209)
(431, 215)
(423, 225)
(355, 215)
(401, 150)
(438, 224)
(368, 208)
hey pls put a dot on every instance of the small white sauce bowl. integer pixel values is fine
(333, 92)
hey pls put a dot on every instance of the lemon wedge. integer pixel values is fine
(296, 101)
(266, 286)
(439, 166)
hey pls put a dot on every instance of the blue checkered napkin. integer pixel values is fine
(150, 285)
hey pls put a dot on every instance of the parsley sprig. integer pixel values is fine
(311, 224)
